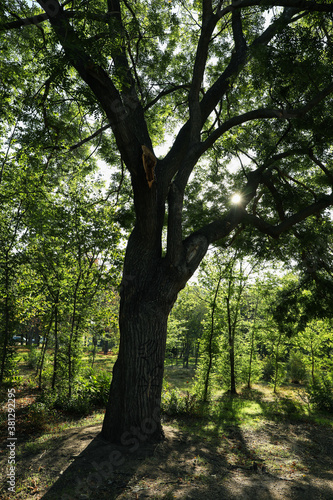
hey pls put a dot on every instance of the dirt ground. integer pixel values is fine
(280, 461)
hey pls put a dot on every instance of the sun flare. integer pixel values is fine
(236, 199)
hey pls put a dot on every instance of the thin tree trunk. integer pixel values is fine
(250, 361)
(186, 355)
(94, 351)
(252, 343)
(277, 362)
(231, 330)
(196, 354)
(41, 365)
(72, 335)
(210, 342)
(56, 347)
(312, 364)
(44, 348)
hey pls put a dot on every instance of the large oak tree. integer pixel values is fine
(243, 79)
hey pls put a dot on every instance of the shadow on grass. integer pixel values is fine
(184, 466)
(243, 422)
(209, 455)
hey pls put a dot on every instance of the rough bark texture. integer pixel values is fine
(135, 393)
(148, 292)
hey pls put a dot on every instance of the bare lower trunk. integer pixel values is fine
(149, 289)
(232, 368)
(276, 367)
(250, 361)
(231, 333)
(133, 411)
(56, 348)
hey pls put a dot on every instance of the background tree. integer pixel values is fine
(230, 339)
(185, 324)
(211, 276)
(315, 342)
(233, 80)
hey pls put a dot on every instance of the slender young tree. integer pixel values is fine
(235, 79)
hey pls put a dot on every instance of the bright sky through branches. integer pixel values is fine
(236, 199)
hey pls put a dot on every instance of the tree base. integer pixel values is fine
(135, 436)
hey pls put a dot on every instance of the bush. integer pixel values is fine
(321, 394)
(268, 369)
(96, 388)
(296, 368)
(88, 392)
(76, 404)
(32, 357)
(11, 371)
(268, 372)
(174, 403)
(39, 415)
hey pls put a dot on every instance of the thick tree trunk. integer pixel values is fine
(133, 411)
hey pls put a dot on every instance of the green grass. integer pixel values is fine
(251, 408)
(179, 378)
(55, 431)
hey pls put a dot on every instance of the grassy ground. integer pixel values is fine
(255, 445)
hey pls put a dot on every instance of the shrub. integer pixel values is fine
(11, 372)
(320, 394)
(95, 388)
(39, 415)
(296, 368)
(175, 403)
(32, 357)
(88, 392)
(268, 369)
(76, 404)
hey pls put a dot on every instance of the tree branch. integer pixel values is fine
(119, 115)
(265, 113)
(221, 228)
(176, 155)
(208, 24)
(164, 93)
(289, 222)
(297, 4)
(237, 62)
(69, 14)
(237, 30)
(276, 196)
(327, 172)
(84, 141)
(174, 239)
(40, 18)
